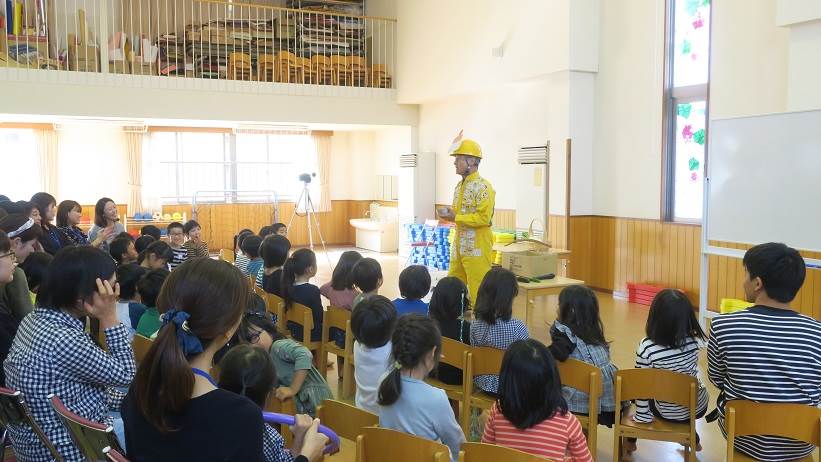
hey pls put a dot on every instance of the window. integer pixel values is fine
(686, 108)
(21, 164)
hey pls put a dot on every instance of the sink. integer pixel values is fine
(375, 235)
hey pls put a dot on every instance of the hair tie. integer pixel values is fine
(22, 229)
(188, 342)
(397, 365)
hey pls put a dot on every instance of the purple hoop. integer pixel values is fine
(285, 419)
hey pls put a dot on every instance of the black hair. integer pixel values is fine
(296, 265)
(13, 222)
(366, 274)
(118, 248)
(149, 286)
(277, 226)
(415, 335)
(5, 243)
(495, 297)
(373, 320)
(250, 246)
(99, 212)
(782, 269)
(4, 198)
(450, 300)
(248, 371)
(128, 275)
(672, 320)
(41, 201)
(341, 278)
(274, 250)
(160, 249)
(63, 209)
(125, 235)
(414, 282)
(530, 390)
(173, 225)
(36, 268)
(189, 226)
(265, 231)
(579, 310)
(151, 230)
(142, 243)
(239, 237)
(72, 276)
(19, 207)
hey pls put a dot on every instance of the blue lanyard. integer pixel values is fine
(207, 376)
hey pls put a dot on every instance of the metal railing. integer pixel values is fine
(306, 43)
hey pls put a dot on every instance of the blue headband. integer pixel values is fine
(189, 343)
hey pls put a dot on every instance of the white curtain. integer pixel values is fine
(46, 141)
(133, 143)
(323, 162)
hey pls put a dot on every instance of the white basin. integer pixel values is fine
(375, 235)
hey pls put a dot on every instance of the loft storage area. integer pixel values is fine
(319, 42)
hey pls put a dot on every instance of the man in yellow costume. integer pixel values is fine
(473, 203)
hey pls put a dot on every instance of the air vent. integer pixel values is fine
(408, 161)
(534, 154)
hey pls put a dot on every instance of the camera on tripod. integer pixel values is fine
(306, 178)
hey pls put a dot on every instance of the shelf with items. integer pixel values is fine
(329, 27)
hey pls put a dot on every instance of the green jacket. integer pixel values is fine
(149, 322)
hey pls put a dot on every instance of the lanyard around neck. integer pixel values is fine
(207, 376)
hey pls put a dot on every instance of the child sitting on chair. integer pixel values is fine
(372, 325)
(250, 247)
(367, 277)
(414, 284)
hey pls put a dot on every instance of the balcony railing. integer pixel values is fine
(201, 39)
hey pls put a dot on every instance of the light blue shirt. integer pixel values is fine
(424, 411)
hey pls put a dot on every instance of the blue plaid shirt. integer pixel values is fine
(52, 354)
(499, 335)
(273, 446)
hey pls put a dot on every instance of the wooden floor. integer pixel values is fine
(624, 327)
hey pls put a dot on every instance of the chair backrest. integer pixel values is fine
(276, 305)
(320, 61)
(265, 60)
(339, 61)
(13, 411)
(227, 255)
(581, 376)
(797, 421)
(379, 69)
(240, 58)
(357, 63)
(486, 360)
(336, 317)
(113, 455)
(657, 384)
(89, 437)
(480, 452)
(260, 292)
(140, 345)
(302, 315)
(286, 56)
(346, 420)
(453, 353)
(374, 443)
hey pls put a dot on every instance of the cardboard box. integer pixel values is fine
(83, 58)
(531, 263)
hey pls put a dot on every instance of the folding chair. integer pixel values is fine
(374, 445)
(347, 421)
(587, 378)
(339, 318)
(480, 452)
(660, 385)
(13, 411)
(89, 437)
(457, 354)
(140, 345)
(113, 455)
(797, 421)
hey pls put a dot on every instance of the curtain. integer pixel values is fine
(323, 161)
(133, 143)
(46, 143)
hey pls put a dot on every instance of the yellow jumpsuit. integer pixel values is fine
(472, 250)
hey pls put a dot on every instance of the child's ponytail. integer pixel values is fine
(414, 337)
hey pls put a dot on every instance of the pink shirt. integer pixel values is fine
(340, 298)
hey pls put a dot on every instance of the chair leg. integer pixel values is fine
(348, 381)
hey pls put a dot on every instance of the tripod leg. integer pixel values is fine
(309, 207)
(296, 208)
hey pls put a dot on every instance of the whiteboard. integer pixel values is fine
(765, 180)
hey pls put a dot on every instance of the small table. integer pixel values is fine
(531, 290)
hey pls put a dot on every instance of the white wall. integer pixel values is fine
(358, 156)
(803, 89)
(628, 110)
(91, 163)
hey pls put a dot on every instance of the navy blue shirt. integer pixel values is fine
(308, 295)
(404, 306)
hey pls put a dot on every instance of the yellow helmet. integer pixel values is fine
(466, 147)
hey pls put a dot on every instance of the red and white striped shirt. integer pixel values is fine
(554, 438)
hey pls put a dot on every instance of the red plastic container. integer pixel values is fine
(643, 294)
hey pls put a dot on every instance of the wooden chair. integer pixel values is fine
(276, 305)
(339, 318)
(339, 68)
(347, 421)
(14, 411)
(457, 354)
(112, 455)
(587, 378)
(659, 385)
(227, 255)
(480, 452)
(89, 437)
(357, 70)
(239, 66)
(379, 77)
(303, 316)
(797, 421)
(252, 281)
(140, 345)
(262, 294)
(285, 66)
(266, 65)
(374, 445)
(321, 72)
(304, 70)
(282, 407)
(484, 361)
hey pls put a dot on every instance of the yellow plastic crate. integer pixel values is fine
(731, 305)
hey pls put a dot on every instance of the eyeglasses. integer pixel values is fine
(10, 254)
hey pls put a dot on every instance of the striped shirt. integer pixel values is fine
(552, 438)
(683, 360)
(498, 335)
(180, 255)
(261, 277)
(765, 355)
(241, 262)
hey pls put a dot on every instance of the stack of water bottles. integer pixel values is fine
(434, 256)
